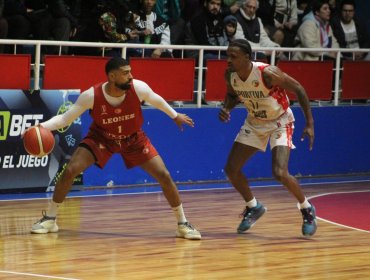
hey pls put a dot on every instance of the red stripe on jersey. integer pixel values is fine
(281, 96)
(261, 68)
(289, 133)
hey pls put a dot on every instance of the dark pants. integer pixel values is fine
(3, 32)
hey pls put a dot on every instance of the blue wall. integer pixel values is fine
(342, 146)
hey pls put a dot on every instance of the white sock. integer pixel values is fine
(179, 213)
(52, 209)
(252, 203)
(304, 204)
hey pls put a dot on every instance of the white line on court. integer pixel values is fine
(190, 190)
(36, 275)
(337, 224)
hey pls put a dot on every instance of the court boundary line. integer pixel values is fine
(36, 275)
(338, 224)
(190, 190)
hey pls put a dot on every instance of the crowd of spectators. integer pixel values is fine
(265, 23)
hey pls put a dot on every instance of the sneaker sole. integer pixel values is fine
(189, 237)
(310, 234)
(242, 231)
(45, 230)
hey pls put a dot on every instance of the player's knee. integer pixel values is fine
(70, 172)
(280, 174)
(231, 171)
(163, 176)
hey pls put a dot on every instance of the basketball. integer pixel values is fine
(38, 141)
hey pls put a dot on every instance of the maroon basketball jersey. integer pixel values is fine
(116, 122)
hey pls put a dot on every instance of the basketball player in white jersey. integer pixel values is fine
(262, 89)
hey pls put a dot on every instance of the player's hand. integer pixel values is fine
(183, 119)
(224, 115)
(308, 132)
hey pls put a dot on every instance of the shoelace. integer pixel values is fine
(307, 216)
(246, 212)
(44, 217)
(188, 225)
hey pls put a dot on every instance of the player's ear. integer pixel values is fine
(111, 75)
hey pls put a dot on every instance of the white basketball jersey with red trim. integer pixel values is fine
(261, 102)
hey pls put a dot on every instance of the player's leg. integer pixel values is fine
(280, 159)
(81, 159)
(237, 158)
(157, 169)
(239, 155)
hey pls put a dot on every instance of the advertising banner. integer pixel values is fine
(20, 110)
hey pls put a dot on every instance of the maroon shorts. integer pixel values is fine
(135, 149)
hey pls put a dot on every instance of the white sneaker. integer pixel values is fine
(45, 224)
(187, 231)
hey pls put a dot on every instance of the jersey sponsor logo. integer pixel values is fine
(118, 111)
(250, 93)
(118, 119)
(103, 110)
(15, 125)
(260, 114)
(255, 83)
(146, 150)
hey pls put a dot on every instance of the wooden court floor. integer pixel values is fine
(132, 237)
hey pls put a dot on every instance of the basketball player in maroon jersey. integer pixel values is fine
(262, 90)
(115, 107)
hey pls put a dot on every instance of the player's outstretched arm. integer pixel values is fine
(182, 119)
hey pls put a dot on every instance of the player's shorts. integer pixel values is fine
(256, 133)
(135, 150)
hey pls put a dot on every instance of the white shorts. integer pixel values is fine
(256, 133)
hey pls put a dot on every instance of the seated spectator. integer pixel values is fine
(19, 27)
(3, 26)
(232, 6)
(190, 9)
(230, 23)
(51, 20)
(286, 20)
(350, 32)
(252, 28)
(171, 12)
(266, 12)
(118, 25)
(333, 7)
(315, 32)
(152, 29)
(207, 28)
(88, 29)
(303, 7)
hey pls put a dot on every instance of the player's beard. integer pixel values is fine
(124, 86)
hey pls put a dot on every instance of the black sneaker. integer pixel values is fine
(250, 217)
(309, 225)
